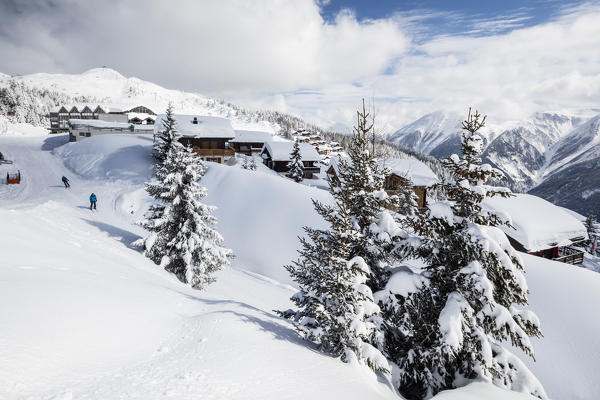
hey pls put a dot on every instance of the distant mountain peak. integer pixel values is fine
(104, 73)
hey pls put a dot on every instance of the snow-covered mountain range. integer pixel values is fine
(554, 155)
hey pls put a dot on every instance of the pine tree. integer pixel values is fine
(454, 326)
(593, 231)
(183, 240)
(245, 164)
(296, 167)
(369, 205)
(336, 307)
(166, 136)
(253, 165)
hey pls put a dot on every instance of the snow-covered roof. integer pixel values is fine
(419, 173)
(538, 223)
(109, 124)
(91, 106)
(206, 127)
(242, 136)
(141, 116)
(280, 151)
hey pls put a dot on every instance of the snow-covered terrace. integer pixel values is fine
(538, 224)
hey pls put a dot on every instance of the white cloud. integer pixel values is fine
(283, 54)
(228, 46)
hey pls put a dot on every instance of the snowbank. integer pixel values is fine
(261, 216)
(113, 157)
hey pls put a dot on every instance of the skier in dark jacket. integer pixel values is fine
(93, 201)
(66, 182)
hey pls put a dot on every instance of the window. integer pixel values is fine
(88, 134)
(81, 133)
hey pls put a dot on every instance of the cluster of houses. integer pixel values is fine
(63, 118)
(326, 150)
(214, 139)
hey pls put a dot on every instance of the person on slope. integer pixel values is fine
(93, 200)
(66, 182)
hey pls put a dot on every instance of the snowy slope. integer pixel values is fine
(87, 317)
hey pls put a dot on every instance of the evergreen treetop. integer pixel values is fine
(165, 136)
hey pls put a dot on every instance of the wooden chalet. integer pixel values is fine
(208, 136)
(276, 156)
(400, 171)
(249, 142)
(539, 227)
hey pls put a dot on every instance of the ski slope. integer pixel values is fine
(83, 315)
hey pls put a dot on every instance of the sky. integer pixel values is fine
(319, 58)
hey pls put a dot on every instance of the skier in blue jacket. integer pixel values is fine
(93, 200)
(66, 182)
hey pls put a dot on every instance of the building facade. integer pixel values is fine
(60, 116)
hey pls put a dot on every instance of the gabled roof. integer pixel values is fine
(419, 173)
(242, 136)
(280, 151)
(206, 127)
(539, 224)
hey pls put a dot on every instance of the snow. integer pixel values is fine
(85, 316)
(96, 123)
(538, 223)
(479, 391)
(280, 151)
(419, 173)
(243, 136)
(206, 127)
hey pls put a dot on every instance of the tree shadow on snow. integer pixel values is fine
(121, 235)
(280, 331)
(284, 331)
(55, 141)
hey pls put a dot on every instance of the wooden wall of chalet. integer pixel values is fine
(393, 182)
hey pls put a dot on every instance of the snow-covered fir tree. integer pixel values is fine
(370, 207)
(336, 307)
(245, 164)
(183, 240)
(593, 230)
(470, 299)
(252, 165)
(296, 167)
(165, 136)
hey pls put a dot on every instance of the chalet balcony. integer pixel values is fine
(569, 255)
(214, 152)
